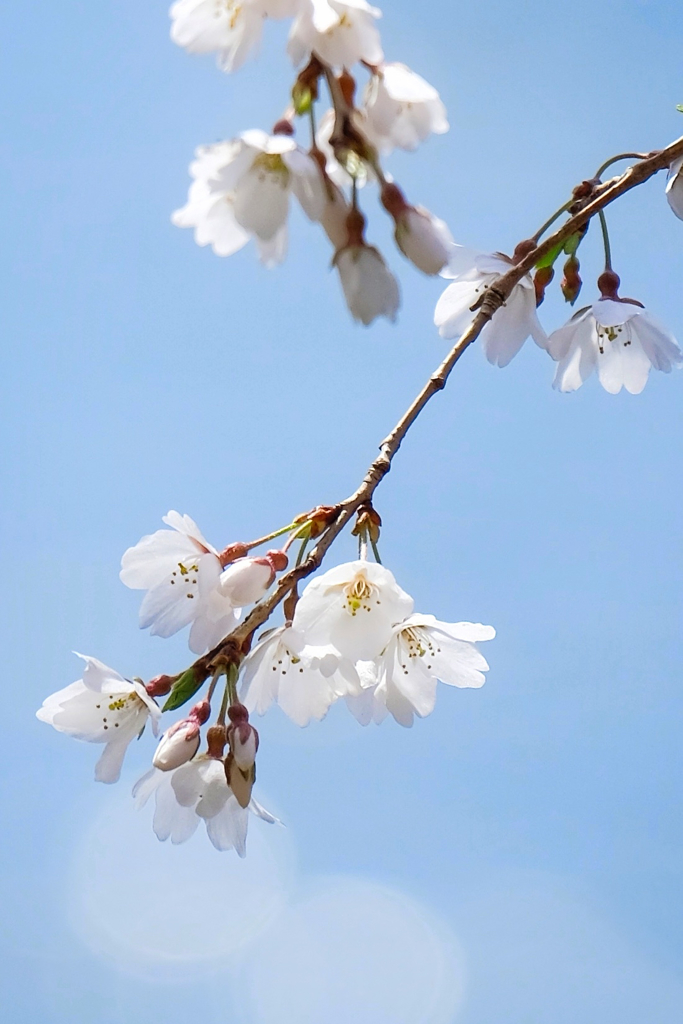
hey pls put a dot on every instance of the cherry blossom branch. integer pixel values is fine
(595, 198)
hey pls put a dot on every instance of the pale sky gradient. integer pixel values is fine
(528, 833)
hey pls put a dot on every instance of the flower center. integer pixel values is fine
(416, 643)
(360, 595)
(230, 8)
(118, 708)
(606, 334)
(286, 659)
(186, 576)
(271, 164)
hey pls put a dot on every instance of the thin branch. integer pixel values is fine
(615, 159)
(493, 298)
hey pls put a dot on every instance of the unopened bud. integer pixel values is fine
(232, 552)
(242, 737)
(523, 248)
(246, 580)
(571, 282)
(160, 685)
(283, 127)
(216, 738)
(177, 746)
(305, 89)
(542, 279)
(200, 712)
(240, 780)
(368, 523)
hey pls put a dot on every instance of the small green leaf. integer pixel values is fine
(573, 242)
(550, 257)
(679, 108)
(184, 688)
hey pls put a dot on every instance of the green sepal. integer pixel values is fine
(573, 242)
(302, 98)
(550, 257)
(184, 689)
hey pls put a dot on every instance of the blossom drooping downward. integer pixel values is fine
(619, 338)
(421, 652)
(102, 707)
(340, 32)
(242, 189)
(232, 28)
(472, 273)
(304, 680)
(402, 109)
(198, 791)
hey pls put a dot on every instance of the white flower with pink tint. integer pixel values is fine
(102, 707)
(617, 337)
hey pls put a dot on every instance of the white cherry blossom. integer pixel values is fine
(424, 239)
(401, 108)
(352, 607)
(370, 289)
(340, 32)
(242, 189)
(181, 573)
(198, 791)
(422, 651)
(233, 28)
(305, 681)
(472, 272)
(102, 707)
(674, 187)
(209, 212)
(620, 339)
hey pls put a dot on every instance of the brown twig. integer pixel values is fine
(493, 298)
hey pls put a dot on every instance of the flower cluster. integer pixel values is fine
(242, 189)
(615, 336)
(353, 634)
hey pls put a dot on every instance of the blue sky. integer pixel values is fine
(523, 846)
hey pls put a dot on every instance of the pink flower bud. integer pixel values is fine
(160, 685)
(246, 580)
(242, 737)
(178, 745)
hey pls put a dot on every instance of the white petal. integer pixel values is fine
(658, 342)
(307, 183)
(511, 325)
(108, 768)
(272, 253)
(262, 201)
(609, 313)
(623, 363)
(453, 314)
